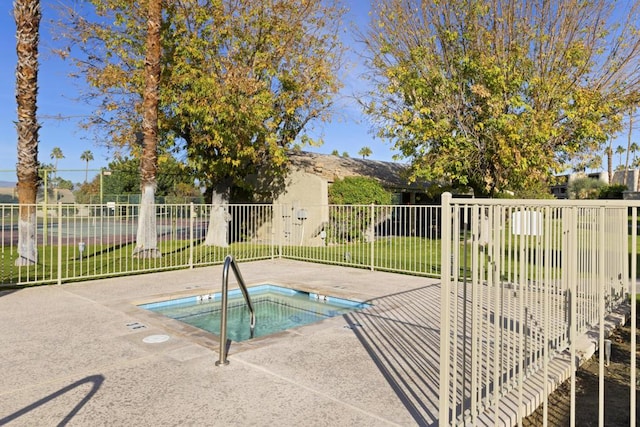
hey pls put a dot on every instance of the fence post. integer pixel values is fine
(59, 244)
(634, 309)
(445, 271)
(372, 236)
(191, 237)
(283, 227)
(273, 231)
(572, 276)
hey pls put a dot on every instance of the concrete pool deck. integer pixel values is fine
(74, 354)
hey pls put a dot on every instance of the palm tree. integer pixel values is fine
(365, 152)
(626, 163)
(620, 151)
(56, 154)
(634, 150)
(609, 153)
(87, 156)
(146, 238)
(27, 15)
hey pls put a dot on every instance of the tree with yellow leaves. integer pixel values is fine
(499, 95)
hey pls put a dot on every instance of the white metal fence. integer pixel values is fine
(527, 279)
(395, 238)
(77, 242)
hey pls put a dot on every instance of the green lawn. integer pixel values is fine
(413, 255)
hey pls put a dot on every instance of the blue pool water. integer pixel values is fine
(276, 308)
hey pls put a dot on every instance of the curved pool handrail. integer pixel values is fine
(231, 262)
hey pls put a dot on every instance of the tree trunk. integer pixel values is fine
(610, 163)
(27, 226)
(626, 163)
(27, 16)
(147, 238)
(219, 218)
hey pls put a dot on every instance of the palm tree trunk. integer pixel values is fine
(147, 238)
(219, 218)
(626, 163)
(610, 163)
(27, 16)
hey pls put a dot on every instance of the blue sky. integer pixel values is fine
(348, 131)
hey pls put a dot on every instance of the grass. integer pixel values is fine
(99, 261)
(413, 255)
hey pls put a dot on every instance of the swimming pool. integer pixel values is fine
(276, 309)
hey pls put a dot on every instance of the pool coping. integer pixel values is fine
(210, 339)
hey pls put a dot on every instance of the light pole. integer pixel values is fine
(103, 172)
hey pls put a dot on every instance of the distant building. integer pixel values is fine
(632, 179)
(303, 202)
(561, 189)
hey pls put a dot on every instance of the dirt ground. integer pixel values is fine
(616, 389)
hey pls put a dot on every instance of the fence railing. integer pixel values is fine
(527, 278)
(395, 238)
(76, 242)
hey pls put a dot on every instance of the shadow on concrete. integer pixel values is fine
(4, 291)
(95, 380)
(401, 334)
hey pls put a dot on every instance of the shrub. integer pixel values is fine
(349, 225)
(358, 190)
(612, 191)
(585, 188)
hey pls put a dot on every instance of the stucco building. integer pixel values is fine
(301, 206)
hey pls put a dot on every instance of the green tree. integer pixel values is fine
(27, 16)
(585, 188)
(241, 80)
(499, 94)
(335, 153)
(620, 151)
(174, 178)
(633, 148)
(183, 192)
(86, 156)
(56, 154)
(87, 192)
(365, 152)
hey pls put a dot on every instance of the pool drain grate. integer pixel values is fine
(135, 325)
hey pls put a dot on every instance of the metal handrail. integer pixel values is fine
(229, 261)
